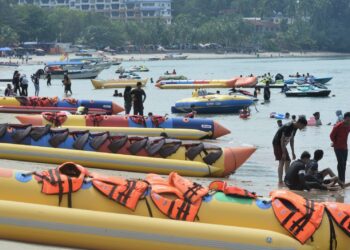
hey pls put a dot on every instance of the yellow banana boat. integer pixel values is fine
(182, 134)
(117, 83)
(216, 208)
(107, 161)
(98, 230)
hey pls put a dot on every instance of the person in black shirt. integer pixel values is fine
(295, 175)
(267, 92)
(283, 136)
(127, 100)
(139, 97)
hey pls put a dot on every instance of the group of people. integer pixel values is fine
(134, 98)
(19, 86)
(303, 174)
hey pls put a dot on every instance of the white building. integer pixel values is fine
(116, 9)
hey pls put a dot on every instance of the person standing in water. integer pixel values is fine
(127, 100)
(67, 85)
(267, 92)
(48, 77)
(339, 138)
(24, 85)
(138, 97)
(282, 138)
(35, 80)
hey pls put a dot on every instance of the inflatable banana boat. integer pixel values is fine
(117, 83)
(212, 104)
(227, 159)
(84, 229)
(35, 104)
(307, 224)
(107, 161)
(194, 84)
(181, 134)
(60, 119)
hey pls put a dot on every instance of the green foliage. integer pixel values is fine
(317, 25)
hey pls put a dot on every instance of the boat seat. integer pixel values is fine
(58, 137)
(3, 129)
(81, 141)
(38, 132)
(97, 140)
(212, 157)
(169, 148)
(153, 146)
(20, 134)
(117, 144)
(137, 146)
(193, 151)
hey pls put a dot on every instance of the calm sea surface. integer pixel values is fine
(260, 172)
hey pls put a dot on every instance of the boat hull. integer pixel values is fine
(321, 80)
(321, 93)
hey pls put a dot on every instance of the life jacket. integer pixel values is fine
(340, 213)
(299, 216)
(125, 192)
(157, 120)
(138, 119)
(65, 179)
(231, 190)
(188, 196)
(72, 101)
(57, 119)
(95, 118)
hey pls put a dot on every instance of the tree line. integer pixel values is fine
(317, 25)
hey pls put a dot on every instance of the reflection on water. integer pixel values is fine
(259, 174)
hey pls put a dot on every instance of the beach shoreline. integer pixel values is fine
(34, 60)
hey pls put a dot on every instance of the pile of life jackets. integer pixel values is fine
(38, 101)
(299, 216)
(57, 119)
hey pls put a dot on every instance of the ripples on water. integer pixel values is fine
(260, 172)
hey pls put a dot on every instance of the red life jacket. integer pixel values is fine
(340, 213)
(299, 216)
(57, 119)
(65, 179)
(120, 190)
(188, 196)
(138, 119)
(72, 101)
(157, 120)
(231, 190)
(95, 118)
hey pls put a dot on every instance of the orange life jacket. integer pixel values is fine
(231, 190)
(124, 192)
(57, 119)
(185, 206)
(299, 216)
(65, 179)
(340, 213)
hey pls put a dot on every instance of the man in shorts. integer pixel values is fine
(282, 138)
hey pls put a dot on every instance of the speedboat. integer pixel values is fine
(213, 104)
(309, 90)
(304, 79)
(141, 68)
(75, 70)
